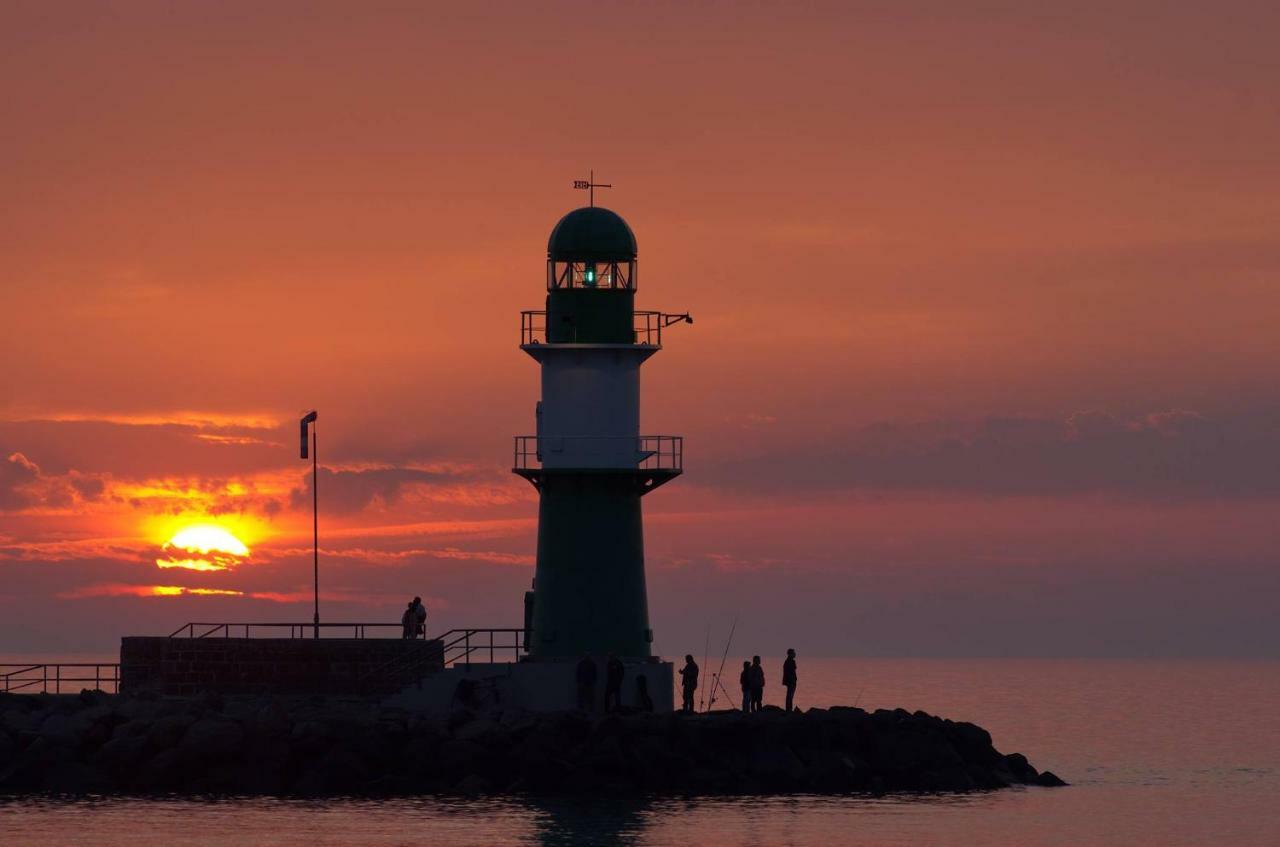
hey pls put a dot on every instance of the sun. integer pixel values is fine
(204, 538)
(203, 547)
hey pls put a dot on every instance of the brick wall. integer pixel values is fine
(186, 666)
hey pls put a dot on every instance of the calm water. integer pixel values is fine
(1159, 753)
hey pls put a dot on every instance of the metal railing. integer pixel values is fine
(296, 630)
(50, 678)
(646, 326)
(460, 645)
(651, 452)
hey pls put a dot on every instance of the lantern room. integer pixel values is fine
(591, 248)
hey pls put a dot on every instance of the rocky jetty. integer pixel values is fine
(106, 744)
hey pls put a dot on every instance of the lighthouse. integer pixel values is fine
(588, 458)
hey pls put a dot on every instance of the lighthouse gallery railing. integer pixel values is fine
(648, 327)
(652, 452)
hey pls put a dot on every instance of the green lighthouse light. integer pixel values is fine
(589, 275)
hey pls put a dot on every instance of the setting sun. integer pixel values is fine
(206, 539)
(206, 548)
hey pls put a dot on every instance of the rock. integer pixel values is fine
(73, 777)
(606, 758)
(831, 771)
(163, 772)
(339, 771)
(475, 729)
(40, 762)
(212, 738)
(472, 784)
(166, 731)
(327, 746)
(90, 697)
(1050, 780)
(60, 728)
(210, 701)
(460, 716)
(1021, 768)
(134, 708)
(777, 764)
(122, 753)
(17, 720)
(310, 738)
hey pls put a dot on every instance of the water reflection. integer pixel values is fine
(604, 822)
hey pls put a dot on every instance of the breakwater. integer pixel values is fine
(109, 744)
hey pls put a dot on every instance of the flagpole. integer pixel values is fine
(315, 528)
(310, 418)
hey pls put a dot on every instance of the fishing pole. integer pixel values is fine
(727, 695)
(720, 673)
(706, 648)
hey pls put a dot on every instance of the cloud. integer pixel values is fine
(138, 447)
(1167, 454)
(350, 490)
(17, 475)
(262, 494)
(23, 485)
(113, 549)
(398, 557)
(115, 589)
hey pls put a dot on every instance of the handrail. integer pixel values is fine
(462, 647)
(456, 647)
(456, 640)
(296, 630)
(24, 678)
(646, 326)
(650, 452)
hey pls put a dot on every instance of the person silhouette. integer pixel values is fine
(744, 680)
(789, 677)
(757, 684)
(688, 683)
(586, 679)
(643, 701)
(419, 618)
(408, 621)
(613, 673)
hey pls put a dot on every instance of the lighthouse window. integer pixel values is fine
(586, 274)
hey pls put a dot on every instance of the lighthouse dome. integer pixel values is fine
(591, 234)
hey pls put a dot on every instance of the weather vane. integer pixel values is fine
(590, 185)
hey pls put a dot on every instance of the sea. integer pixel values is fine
(1162, 753)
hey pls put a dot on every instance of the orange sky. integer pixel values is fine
(984, 359)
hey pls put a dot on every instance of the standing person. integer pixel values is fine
(613, 673)
(586, 678)
(744, 680)
(643, 701)
(757, 684)
(419, 618)
(408, 621)
(789, 677)
(688, 683)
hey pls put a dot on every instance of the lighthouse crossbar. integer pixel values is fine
(645, 452)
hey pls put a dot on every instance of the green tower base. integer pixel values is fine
(589, 586)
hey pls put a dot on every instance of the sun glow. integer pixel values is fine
(204, 538)
(203, 547)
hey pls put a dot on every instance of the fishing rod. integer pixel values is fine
(706, 648)
(720, 683)
(732, 629)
